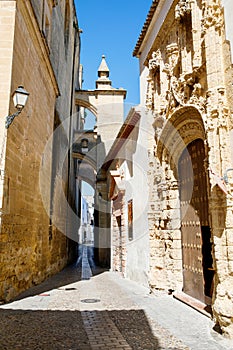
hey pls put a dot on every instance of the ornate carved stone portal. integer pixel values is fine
(189, 92)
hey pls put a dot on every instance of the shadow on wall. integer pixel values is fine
(219, 204)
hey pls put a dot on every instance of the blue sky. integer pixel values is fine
(112, 28)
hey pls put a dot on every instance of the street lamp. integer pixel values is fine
(84, 145)
(20, 97)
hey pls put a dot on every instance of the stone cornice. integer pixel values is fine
(102, 92)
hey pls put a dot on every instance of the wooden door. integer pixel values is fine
(196, 244)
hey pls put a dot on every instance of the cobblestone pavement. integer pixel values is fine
(84, 308)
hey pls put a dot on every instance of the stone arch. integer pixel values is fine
(184, 126)
(86, 169)
(83, 100)
(182, 146)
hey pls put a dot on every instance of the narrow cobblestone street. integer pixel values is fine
(84, 307)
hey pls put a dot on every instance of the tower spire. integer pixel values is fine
(103, 82)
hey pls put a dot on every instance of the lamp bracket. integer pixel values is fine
(10, 118)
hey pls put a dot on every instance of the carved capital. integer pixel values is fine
(158, 125)
(154, 62)
(183, 8)
(172, 51)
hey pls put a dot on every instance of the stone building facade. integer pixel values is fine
(39, 49)
(186, 86)
(127, 167)
(107, 105)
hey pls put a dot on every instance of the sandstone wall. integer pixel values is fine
(32, 247)
(65, 52)
(7, 28)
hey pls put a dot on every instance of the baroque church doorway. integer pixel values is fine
(195, 227)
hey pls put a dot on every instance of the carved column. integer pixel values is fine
(221, 203)
(196, 32)
(183, 17)
(212, 31)
(153, 80)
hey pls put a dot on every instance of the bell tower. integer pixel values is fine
(110, 106)
(107, 104)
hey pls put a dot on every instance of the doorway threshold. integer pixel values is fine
(199, 306)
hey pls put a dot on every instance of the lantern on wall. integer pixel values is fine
(84, 145)
(20, 97)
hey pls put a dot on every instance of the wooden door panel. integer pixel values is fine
(194, 216)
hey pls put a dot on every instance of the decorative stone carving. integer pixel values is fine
(212, 15)
(182, 9)
(185, 90)
(154, 66)
(217, 108)
(190, 127)
(150, 94)
(158, 125)
(154, 62)
(172, 52)
(182, 88)
(196, 97)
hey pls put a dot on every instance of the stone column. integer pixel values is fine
(196, 32)
(183, 17)
(221, 202)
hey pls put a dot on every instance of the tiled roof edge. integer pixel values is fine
(145, 26)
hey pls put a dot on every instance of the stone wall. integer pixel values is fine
(119, 232)
(64, 53)
(32, 248)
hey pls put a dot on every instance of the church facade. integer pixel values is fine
(186, 87)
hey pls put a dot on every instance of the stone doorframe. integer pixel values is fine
(185, 125)
(172, 136)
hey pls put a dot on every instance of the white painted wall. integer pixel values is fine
(153, 30)
(143, 85)
(137, 189)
